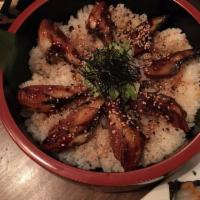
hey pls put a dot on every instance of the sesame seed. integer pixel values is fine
(64, 138)
(113, 131)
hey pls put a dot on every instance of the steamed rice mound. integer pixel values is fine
(77, 32)
(46, 74)
(97, 153)
(162, 138)
(170, 41)
(185, 89)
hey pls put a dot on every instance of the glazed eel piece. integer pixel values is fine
(48, 98)
(152, 104)
(126, 141)
(75, 129)
(168, 66)
(156, 22)
(55, 44)
(100, 23)
(141, 36)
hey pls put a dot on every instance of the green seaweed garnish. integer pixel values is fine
(112, 72)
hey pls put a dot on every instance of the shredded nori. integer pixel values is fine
(112, 72)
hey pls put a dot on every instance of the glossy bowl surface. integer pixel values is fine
(182, 14)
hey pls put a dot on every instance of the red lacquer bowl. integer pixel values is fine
(184, 16)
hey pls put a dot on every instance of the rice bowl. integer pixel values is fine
(104, 157)
(162, 138)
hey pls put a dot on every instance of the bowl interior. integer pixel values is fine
(27, 36)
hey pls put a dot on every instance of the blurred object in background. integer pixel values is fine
(9, 9)
(1, 3)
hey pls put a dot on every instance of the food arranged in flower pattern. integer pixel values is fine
(119, 81)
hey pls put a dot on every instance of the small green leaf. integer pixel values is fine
(137, 87)
(113, 93)
(125, 45)
(129, 92)
(87, 69)
(93, 89)
(120, 47)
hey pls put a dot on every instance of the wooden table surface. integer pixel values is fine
(23, 179)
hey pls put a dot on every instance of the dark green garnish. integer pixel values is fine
(112, 73)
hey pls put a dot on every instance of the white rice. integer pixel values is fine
(96, 153)
(46, 74)
(184, 88)
(163, 138)
(125, 19)
(170, 41)
(186, 92)
(83, 41)
(165, 42)
(39, 124)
